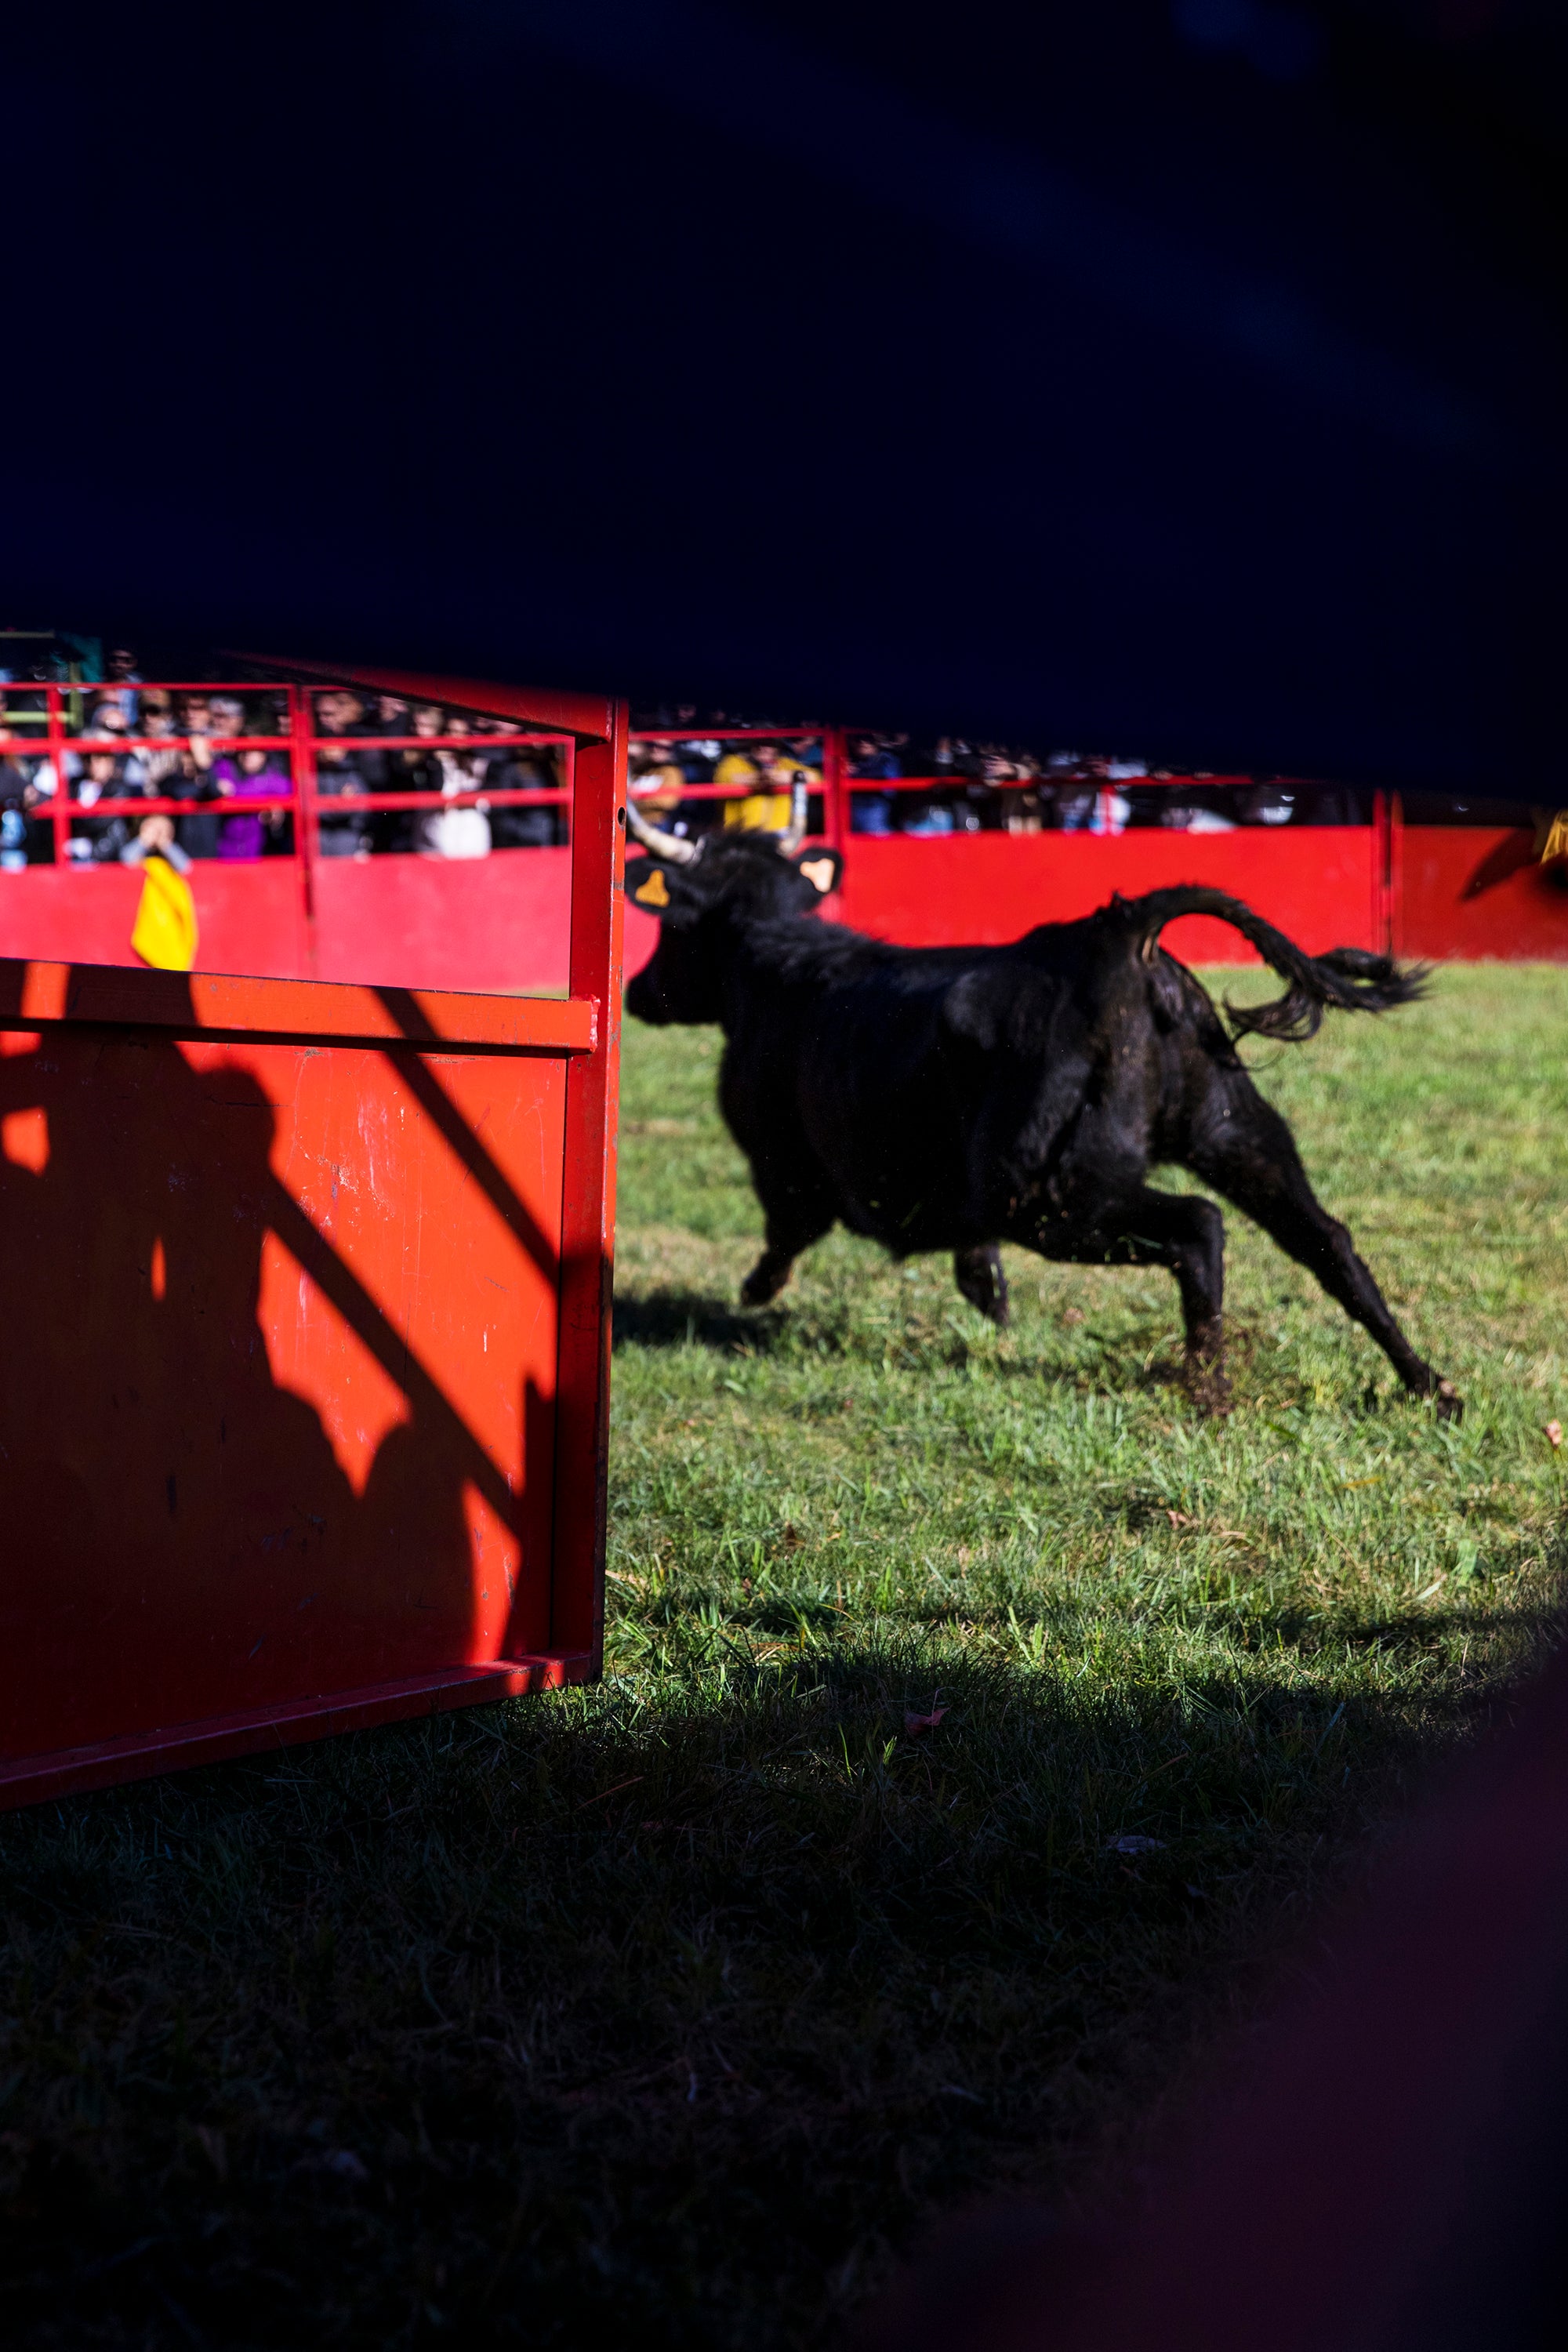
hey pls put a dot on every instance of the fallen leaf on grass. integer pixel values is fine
(915, 1724)
(613, 1792)
(1554, 1434)
(1134, 1845)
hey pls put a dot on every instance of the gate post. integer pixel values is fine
(301, 730)
(833, 768)
(588, 1197)
(56, 738)
(1382, 873)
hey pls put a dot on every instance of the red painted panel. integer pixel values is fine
(499, 923)
(1478, 893)
(283, 1426)
(502, 922)
(1315, 882)
(199, 1001)
(248, 916)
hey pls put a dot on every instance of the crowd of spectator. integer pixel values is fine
(689, 771)
(186, 747)
(949, 785)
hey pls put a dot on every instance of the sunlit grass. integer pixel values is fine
(668, 2009)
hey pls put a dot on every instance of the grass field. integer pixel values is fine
(666, 2012)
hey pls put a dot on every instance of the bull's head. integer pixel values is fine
(704, 894)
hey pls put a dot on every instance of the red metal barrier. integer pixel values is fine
(990, 886)
(303, 1415)
(501, 922)
(1478, 893)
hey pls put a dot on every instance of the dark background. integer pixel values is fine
(1182, 377)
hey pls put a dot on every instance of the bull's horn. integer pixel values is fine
(795, 833)
(668, 846)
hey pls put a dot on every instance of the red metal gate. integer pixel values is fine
(304, 1403)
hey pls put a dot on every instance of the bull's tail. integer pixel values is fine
(1354, 979)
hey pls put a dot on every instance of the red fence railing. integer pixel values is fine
(1430, 890)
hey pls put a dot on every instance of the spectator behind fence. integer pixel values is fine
(410, 771)
(775, 770)
(252, 775)
(159, 760)
(191, 777)
(156, 839)
(658, 783)
(16, 798)
(122, 671)
(872, 812)
(522, 768)
(1204, 808)
(103, 778)
(450, 832)
(340, 775)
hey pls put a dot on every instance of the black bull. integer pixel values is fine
(954, 1098)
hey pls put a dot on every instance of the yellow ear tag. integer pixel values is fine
(818, 872)
(655, 891)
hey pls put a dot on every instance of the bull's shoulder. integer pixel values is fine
(802, 949)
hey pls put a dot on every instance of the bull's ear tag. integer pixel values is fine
(655, 891)
(818, 872)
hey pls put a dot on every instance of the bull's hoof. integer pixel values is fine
(762, 1284)
(1447, 1401)
(1208, 1384)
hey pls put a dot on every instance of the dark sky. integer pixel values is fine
(1184, 377)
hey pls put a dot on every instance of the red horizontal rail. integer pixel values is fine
(727, 734)
(490, 745)
(236, 803)
(109, 994)
(763, 786)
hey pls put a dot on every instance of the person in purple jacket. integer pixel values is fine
(247, 776)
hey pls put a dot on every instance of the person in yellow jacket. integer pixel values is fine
(774, 770)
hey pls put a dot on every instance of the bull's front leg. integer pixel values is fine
(979, 1275)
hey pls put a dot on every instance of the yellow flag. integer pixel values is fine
(165, 932)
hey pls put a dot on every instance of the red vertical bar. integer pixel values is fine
(1382, 852)
(835, 812)
(588, 1199)
(55, 736)
(303, 756)
(1395, 875)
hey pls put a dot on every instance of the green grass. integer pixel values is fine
(671, 2009)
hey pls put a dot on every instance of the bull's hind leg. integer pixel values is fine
(979, 1275)
(1246, 1152)
(1175, 1230)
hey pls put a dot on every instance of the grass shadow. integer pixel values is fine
(718, 1966)
(685, 1318)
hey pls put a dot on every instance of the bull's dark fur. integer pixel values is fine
(956, 1098)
